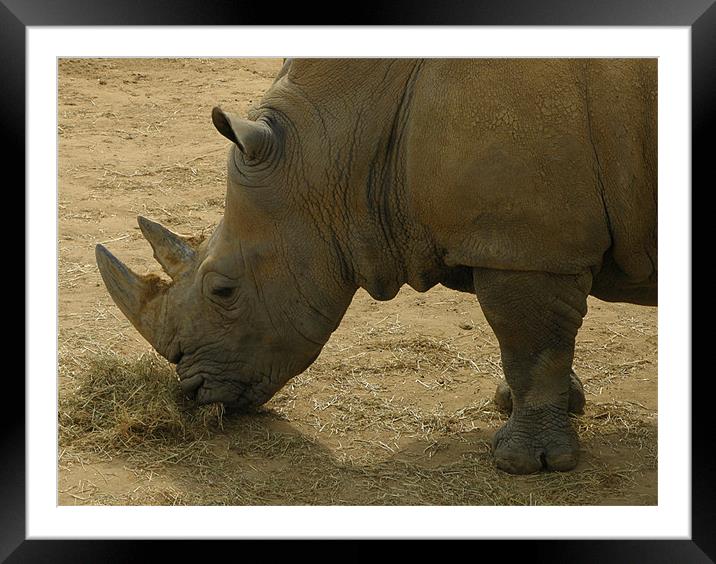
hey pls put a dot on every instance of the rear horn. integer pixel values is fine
(171, 250)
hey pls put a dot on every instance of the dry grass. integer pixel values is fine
(359, 445)
(118, 407)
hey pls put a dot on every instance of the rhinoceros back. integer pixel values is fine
(517, 164)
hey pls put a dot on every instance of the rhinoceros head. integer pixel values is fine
(252, 305)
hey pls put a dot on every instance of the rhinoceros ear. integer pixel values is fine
(253, 138)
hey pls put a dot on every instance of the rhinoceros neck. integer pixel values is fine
(382, 244)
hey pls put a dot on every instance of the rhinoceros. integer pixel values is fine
(530, 183)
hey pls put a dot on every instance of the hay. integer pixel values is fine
(405, 455)
(116, 407)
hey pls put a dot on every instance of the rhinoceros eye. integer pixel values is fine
(220, 289)
(223, 292)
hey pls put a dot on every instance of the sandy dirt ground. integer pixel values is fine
(397, 409)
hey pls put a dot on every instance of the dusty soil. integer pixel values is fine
(396, 410)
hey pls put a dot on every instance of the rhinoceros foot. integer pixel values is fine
(535, 438)
(503, 396)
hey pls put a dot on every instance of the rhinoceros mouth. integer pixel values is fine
(235, 396)
(191, 384)
(229, 386)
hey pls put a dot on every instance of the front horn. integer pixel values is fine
(170, 250)
(140, 298)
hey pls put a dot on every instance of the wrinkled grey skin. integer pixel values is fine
(531, 183)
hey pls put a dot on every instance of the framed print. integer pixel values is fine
(384, 427)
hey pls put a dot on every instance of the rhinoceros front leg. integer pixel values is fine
(535, 317)
(503, 395)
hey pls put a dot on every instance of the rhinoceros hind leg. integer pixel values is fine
(503, 396)
(535, 317)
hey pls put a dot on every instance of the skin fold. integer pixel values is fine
(530, 183)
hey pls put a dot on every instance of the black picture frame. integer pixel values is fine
(700, 16)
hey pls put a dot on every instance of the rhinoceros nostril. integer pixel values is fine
(190, 385)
